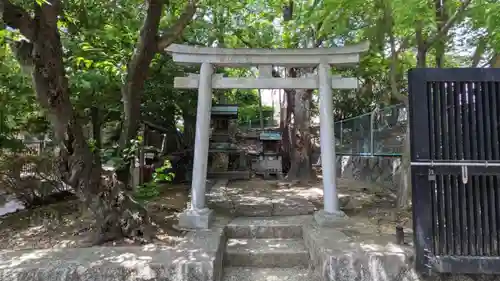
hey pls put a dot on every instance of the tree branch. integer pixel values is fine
(319, 39)
(451, 21)
(16, 17)
(171, 34)
(246, 42)
(193, 43)
(138, 69)
(405, 43)
(478, 53)
(495, 60)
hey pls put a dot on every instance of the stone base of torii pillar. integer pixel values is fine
(325, 219)
(196, 219)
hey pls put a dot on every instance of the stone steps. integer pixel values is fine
(266, 227)
(268, 274)
(280, 253)
(267, 248)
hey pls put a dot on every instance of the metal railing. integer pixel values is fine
(378, 133)
(269, 122)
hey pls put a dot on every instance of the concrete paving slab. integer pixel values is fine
(266, 227)
(267, 253)
(261, 199)
(269, 274)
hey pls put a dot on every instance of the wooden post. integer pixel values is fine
(141, 154)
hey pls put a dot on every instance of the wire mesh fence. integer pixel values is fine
(269, 122)
(378, 133)
(389, 130)
(353, 135)
(35, 148)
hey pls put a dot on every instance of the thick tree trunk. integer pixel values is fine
(51, 87)
(116, 213)
(148, 44)
(300, 150)
(127, 217)
(301, 165)
(137, 71)
(404, 190)
(286, 129)
(79, 167)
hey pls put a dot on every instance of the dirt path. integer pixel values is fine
(63, 225)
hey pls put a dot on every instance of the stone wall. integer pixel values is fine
(198, 256)
(339, 256)
(379, 170)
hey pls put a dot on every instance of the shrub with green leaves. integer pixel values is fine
(152, 189)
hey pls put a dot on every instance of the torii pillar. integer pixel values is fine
(331, 211)
(198, 216)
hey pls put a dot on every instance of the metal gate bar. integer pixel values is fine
(485, 164)
(455, 128)
(450, 100)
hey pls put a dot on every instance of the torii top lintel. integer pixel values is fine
(283, 57)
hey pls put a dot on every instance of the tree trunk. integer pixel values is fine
(95, 118)
(300, 153)
(423, 45)
(479, 52)
(189, 128)
(286, 129)
(137, 71)
(127, 217)
(440, 43)
(79, 167)
(172, 138)
(301, 165)
(394, 62)
(495, 61)
(404, 191)
(148, 44)
(116, 214)
(51, 87)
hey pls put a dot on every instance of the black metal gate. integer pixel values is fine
(455, 169)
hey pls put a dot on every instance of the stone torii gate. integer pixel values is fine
(198, 216)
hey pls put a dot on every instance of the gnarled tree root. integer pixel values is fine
(118, 215)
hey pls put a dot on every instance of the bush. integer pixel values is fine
(30, 178)
(147, 191)
(152, 189)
